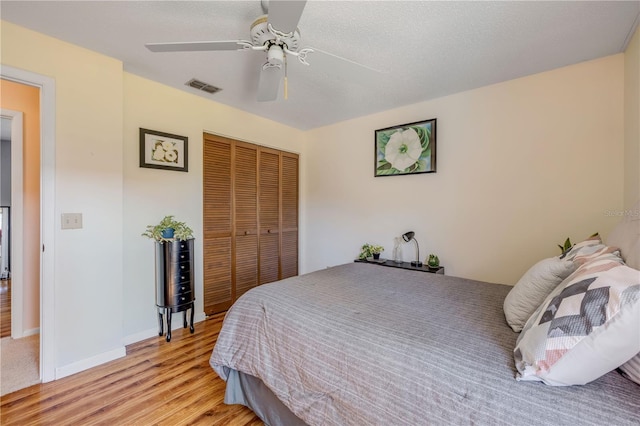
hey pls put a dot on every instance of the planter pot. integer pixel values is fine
(376, 256)
(168, 233)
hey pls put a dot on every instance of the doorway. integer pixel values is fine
(46, 86)
(6, 181)
(20, 234)
(11, 199)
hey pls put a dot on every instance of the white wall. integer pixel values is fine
(632, 121)
(151, 194)
(88, 180)
(521, 166)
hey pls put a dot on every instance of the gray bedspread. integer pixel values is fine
(362, 344)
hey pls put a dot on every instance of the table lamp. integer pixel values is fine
(409, 236)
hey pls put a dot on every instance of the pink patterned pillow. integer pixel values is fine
(588, 326)
(586, 247)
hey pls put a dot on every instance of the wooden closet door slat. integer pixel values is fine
(269, 191)
(246, 217)
(289, 192)
(217, 188)
(217, 226)
(218, 294)
(246, 263)
(269, 265)
(269, 215)
(246, 190)
(289, 230)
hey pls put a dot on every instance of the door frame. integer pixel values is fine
(47, 211)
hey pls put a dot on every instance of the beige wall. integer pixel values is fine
(521, 166)
(632, 121)
(88, 179)
(20, 97)
(151, 194)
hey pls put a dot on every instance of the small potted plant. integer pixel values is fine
(168, 229)
(433, 262)
(370, 250)
(564, 249)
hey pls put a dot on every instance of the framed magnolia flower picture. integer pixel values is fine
(406, 149)
(163, 151)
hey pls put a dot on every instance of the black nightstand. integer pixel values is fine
(403, 265)
(174, 282)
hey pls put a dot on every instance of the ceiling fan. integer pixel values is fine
(275, 33)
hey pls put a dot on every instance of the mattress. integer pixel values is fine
(364, 344)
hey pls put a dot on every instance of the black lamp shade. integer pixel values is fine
(408, 236)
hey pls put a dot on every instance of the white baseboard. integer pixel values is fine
(153, 332)
(87, 363)
(31, 332)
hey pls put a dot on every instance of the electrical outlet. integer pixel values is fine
(71, 220)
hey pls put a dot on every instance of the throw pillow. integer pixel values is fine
(631, 369)
(588, 246)
(531, 290)
(588, 326)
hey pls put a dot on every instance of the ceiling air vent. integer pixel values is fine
(201, 85)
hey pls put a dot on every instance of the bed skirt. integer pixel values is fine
(251, 392)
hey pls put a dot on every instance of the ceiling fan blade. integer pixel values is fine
(284, 15)
(195, 46)
(269, 84)
(335, 65)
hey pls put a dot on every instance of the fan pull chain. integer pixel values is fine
(286, 87)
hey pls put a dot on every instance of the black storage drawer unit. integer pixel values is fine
(174, 281)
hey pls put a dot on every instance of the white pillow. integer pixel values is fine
(626, 236)
(588, 326)
(531, 290)
(631, 369)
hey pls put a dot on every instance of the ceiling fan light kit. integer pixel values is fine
(276, 33)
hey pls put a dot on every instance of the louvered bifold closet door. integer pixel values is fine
(289, 230)
(250, 218)
(246, 217)
(269, 215)
(217, 225)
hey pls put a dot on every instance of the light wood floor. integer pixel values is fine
(157, 383)
(5, 308)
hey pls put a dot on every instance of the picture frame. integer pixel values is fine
(159, 150)
(406, 149)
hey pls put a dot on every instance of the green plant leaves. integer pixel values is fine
(181, 230)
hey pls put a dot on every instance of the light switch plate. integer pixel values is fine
(71, 220)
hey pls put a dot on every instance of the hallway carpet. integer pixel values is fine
(19, 363)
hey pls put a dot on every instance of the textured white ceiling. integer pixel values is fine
(427, 49)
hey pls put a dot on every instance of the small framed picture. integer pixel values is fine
(160, 150)
(406, 149)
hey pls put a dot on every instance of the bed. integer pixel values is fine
(361, 344)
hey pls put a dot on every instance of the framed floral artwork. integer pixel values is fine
(160, 150)
(406, 149)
